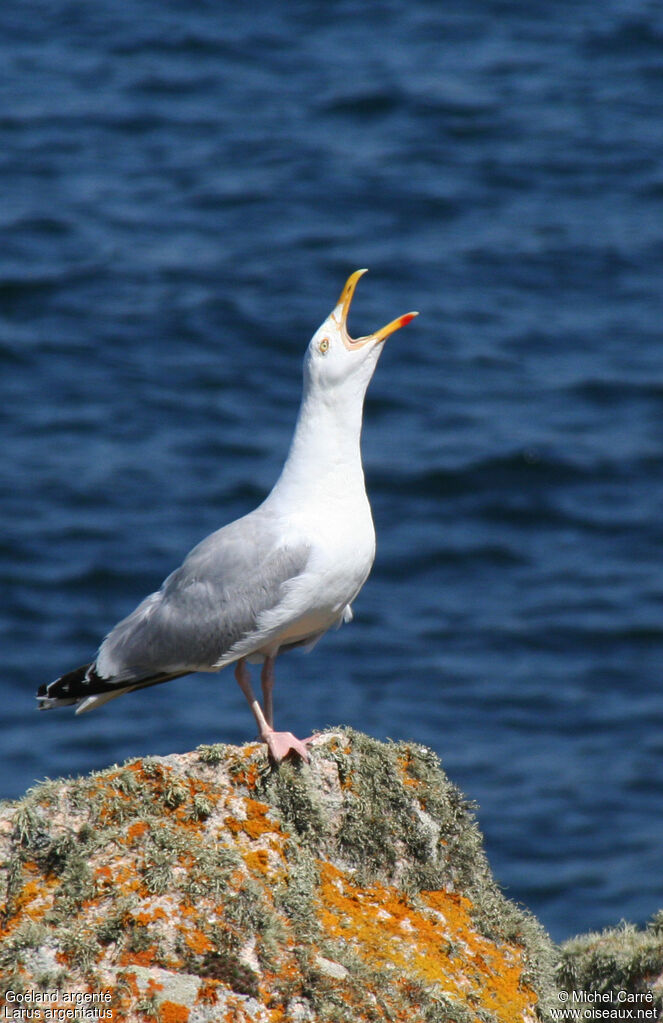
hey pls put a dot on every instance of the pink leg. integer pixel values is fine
(267, 681)
(279, 744)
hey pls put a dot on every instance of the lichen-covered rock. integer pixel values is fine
(213, 887)
(624, 964)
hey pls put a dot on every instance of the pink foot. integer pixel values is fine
(280, 744)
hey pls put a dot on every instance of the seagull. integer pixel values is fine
(275, 579)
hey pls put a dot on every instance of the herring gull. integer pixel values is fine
(276, 578)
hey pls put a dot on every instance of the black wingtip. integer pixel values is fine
(82, 682)
(67, 689)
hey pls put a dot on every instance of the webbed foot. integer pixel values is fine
(280, 744)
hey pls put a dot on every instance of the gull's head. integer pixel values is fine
(335, 359)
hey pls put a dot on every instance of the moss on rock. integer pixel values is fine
(211, 886)
(618, 959)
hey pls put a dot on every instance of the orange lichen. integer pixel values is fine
(198, 942)
(189, 910)
(437, 942)
(335, 747)
(129, 978)
(256, 823)
(257, 861)
(137, 830)
(33, 900)
(29, 894)
(208, 992)
(173, 1012)
(122, 877)
(144, 918)
(497, 970)
(145, 957)
(247, 776)
(404, 762)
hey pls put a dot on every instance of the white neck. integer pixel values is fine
(325, 453)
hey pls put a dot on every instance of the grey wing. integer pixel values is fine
(207, 606)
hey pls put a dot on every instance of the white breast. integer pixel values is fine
(342, 554)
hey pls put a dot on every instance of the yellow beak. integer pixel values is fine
(343, 308)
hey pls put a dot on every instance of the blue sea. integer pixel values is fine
(184, 189)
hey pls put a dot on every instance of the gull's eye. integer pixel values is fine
(324, 345)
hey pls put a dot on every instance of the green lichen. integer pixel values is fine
(224, 965)
(619, 958)
(209, 871)
(251, 912)
(295, 895)
(13, 884)
(158, 873)
(115, 926)
(14, 952)
(215, 754)
(27, 824)
(201, 808)
(148, 1005)
(81, 948)
(289, 788)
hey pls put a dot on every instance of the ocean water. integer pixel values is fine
(183, 191)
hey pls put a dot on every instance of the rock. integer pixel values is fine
(211, 887)
(622, 965)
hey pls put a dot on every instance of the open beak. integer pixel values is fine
(342, 309)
